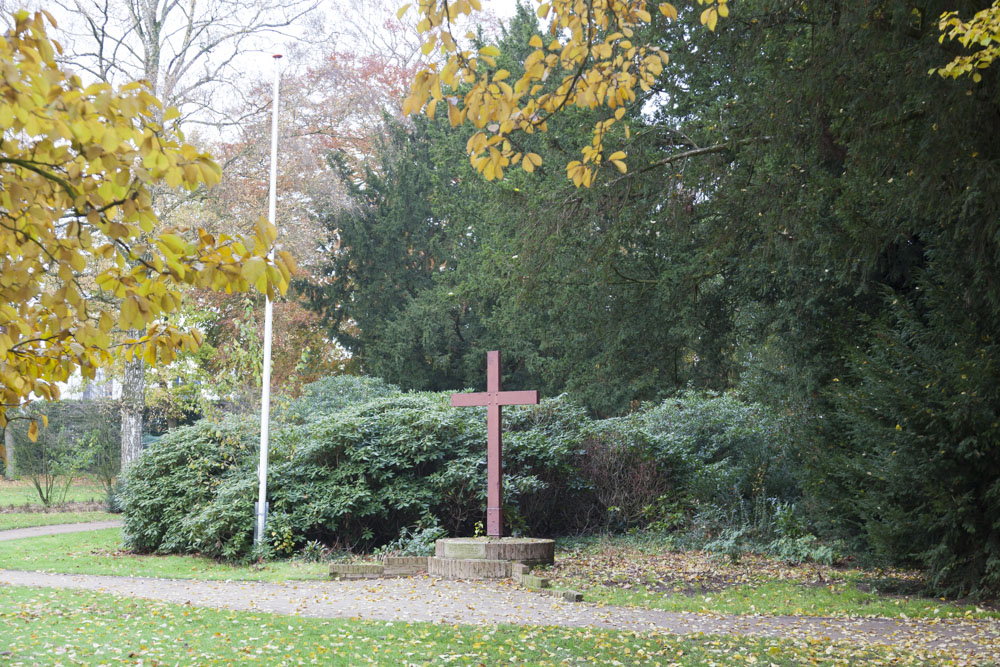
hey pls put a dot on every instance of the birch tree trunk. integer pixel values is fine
(8, 442)
(133, 402)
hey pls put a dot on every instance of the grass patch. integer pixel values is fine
(786, 598)
(46, 626)
(99, 552)
(11, 520)
(18, 493)
(639, 572)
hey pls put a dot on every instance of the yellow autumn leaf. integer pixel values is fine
(253, 269)
(709, 17)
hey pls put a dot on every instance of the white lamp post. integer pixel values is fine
(265, 400)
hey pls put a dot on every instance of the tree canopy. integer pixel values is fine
(76, 167)
(591, 54)
(809, 219)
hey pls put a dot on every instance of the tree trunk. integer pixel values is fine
(133, 402)
(8, 442)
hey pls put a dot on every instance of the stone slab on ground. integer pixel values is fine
(489, 602)
(534, 581)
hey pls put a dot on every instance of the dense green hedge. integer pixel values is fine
(355, 462)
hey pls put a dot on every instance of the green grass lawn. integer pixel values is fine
(46, 626)
(99, 552)
(21, 492)
(785, 598)
(9, 520)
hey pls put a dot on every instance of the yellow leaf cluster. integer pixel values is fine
(76, 219)
(587, 60)
(982, 31)
(710, 15)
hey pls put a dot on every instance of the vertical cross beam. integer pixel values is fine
(494, 399)
(494, 448)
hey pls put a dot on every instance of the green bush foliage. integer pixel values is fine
(357, 464)
(174, 499)
(731, 450)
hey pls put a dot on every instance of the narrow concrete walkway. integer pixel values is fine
(58, 529)
(425, 598)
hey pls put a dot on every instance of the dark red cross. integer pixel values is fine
(494, 399)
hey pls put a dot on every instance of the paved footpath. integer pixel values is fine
(424, 598)
(58, 529)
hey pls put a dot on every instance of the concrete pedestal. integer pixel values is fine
(488, 557)
(465, 558)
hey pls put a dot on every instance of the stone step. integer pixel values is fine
(356, 570)
(468, 568)
(399, 565)
(533, 581)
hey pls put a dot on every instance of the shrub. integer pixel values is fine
(358, 464)
(545, 492)
(628, 474)
(357, 473)
(331, 394)
(734, 463)
(167, 492)
(50, 464)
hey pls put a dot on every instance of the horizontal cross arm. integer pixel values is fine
(465, 400)
(517, 398)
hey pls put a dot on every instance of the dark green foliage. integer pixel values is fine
(167, 493)
(379, 300)
(922, 442)
(831, 252)
(873, 273)
(730, 451)
(333, 393)
(375, 467)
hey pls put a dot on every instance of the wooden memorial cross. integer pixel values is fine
(493, 399)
